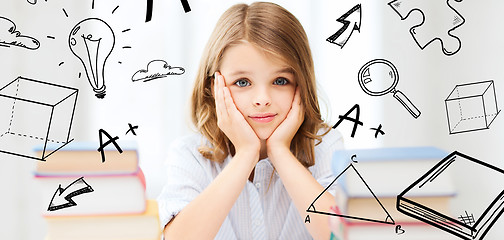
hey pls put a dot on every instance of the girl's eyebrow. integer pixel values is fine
(244, 72)
(240, 72)
(286, 70)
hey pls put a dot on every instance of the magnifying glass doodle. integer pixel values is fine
(379, 77)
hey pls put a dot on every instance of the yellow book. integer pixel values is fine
(83, 158)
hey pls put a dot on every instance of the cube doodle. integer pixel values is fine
(33, 114)
(471, 107)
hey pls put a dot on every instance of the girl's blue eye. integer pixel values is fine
(281, 81)
(242, 83)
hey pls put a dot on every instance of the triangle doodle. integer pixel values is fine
(387, 219)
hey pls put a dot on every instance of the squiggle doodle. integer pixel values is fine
(9, 36)
(439, 19)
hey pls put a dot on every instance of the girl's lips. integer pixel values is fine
(263, 118)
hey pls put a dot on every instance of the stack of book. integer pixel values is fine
(369, 181)
(86, 198)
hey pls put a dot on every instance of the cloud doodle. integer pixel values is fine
(9, 36)
(156, 69)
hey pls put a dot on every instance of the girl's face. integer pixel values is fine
(261, 85)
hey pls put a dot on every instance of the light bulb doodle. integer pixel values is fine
(92, 40)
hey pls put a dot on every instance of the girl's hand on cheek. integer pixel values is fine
(282, 136)
(231, 121)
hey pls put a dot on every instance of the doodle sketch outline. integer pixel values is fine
(388, 219)
(457, 113)
(14, 34)
(457, 21)
(148, 75)
(348, 28)
(464, 227)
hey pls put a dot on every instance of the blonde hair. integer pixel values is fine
(276, 31)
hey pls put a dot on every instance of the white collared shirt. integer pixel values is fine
(263, 210)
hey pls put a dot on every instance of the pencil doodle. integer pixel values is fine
(379, 77)
(37, 114)
(60, 201)
(457, 221)
(350, 169)
(156, 69)
(112, 140)
(399, 230)
(353, 158)
(33, 2)
(356, 121)
(148, 15)
(439, 20)
(471, 107)
(65, 12)
(186, 6)
(467, 219)
(115, 9)
(378, 130)
(11, 37)
(92, 41)
(131, 129)
(351, 21)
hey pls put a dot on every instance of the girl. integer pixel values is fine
(263, 152)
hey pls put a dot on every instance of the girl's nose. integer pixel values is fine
(262, 98)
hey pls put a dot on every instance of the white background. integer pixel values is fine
(160, 107)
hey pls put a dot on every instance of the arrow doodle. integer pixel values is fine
(75, 188)
(353, 16)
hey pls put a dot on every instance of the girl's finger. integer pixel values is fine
(297, 108)
(296, 101)
(220, 97)
(216, 95)
(230, 106)
(297, 96)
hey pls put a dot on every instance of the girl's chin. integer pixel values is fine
(263, 134)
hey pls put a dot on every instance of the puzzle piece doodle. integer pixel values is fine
(439, 19)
